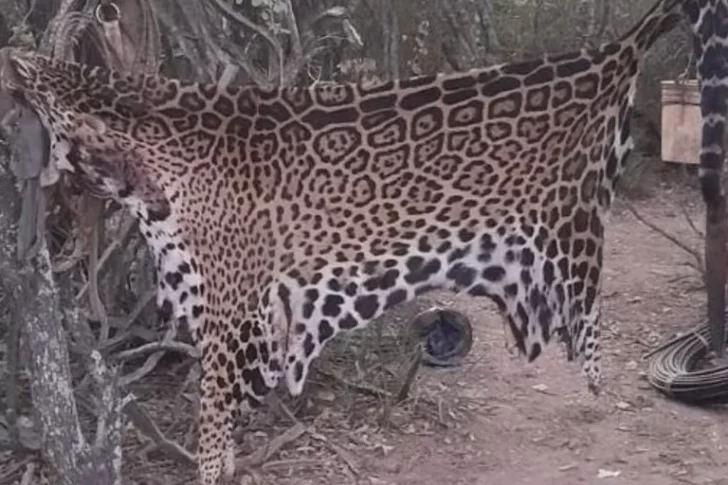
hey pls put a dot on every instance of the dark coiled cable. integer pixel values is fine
(677, 370)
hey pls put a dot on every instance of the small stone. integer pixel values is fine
(608, 473)
(386, 449)
(326, 396)
(540, 387)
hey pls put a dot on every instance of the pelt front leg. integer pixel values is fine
(216, 448)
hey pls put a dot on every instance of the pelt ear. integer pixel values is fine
(16, 69)
(85, 125)
(9, 81)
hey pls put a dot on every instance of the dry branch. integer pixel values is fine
(261, 455)
(363, 387)
(691, 223)
(128, 224)
(169, 346)
(699, 266)
(228, 11)
(342, 453)
(146, 425)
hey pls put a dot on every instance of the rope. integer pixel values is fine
(675, 370)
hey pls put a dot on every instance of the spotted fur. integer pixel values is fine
(282, 217)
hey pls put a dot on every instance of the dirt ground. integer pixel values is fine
(497, 420)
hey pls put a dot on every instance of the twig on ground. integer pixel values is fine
(279, 408)
(340, 452)
(670, 342)
(12, 469)
(193, 375)
(152, 360)
(409, 378)
(363, 388)
(290, 463)
(261, 455)
(690, 221)
(141, 420)
(698, 258)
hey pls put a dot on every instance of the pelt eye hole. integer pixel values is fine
(107, 12)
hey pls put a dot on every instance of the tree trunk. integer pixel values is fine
(34, 297)
(26, 275)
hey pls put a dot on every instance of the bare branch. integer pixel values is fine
(175, 346)
(536, 43)
(295, 36)
(261, 455)
(97, 306)
(699, 266)
(241, 19)
(690, 222)
(146, 425)
(152, 360)
(127, 226)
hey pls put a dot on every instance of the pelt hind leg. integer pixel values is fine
(589, 346)
(216, 448)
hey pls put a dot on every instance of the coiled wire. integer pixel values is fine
(674, 370)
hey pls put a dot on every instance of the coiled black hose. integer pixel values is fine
(675, 370)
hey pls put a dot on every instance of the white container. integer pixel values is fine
(680, 121)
